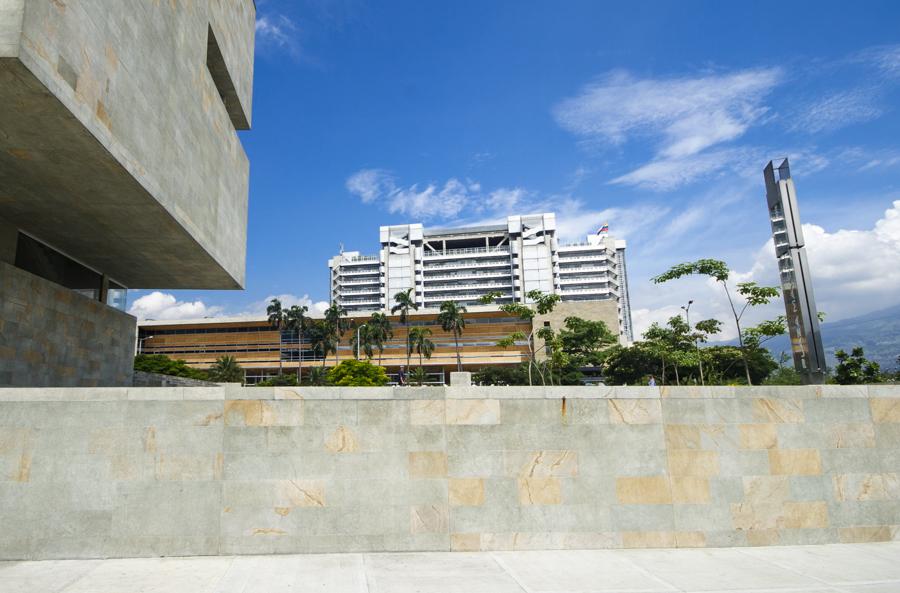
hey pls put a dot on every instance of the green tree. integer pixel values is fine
(501, 375)
(321, 340)
(702, 331)
(784, 374)
(163, 365)
(380, 332)
(855, 369)
(752, 293)
(336, 323)
(363, 340)
(288, 380)
(404, 302)
(226, 370)
(296, 320)
(318, 376)
(418, 376)
(629, 365)
(420, 342)
(452, 319)
(277, 319)
(357, 373)
(541, 304)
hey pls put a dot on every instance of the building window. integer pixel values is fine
(218, 69)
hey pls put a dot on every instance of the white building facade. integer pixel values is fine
(462, 264)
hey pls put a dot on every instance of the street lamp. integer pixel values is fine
(687, 318)
(357, 339)
(140, 348)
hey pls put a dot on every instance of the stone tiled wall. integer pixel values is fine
(225, 470)
(50, 335)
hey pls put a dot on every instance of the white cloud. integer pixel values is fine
(161, 305)
(690, 113)
(885, 58)
(257, 309)
(445, 201)
(278, 32)
(838, 110)
(854, 272)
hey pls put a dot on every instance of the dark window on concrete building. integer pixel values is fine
(218, 69)
(44, 261)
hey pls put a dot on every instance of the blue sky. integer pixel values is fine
(657, 117)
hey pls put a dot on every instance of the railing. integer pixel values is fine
(438, 287)
(362, 290)
(469, 251)
(503, 272)
(583, 269)
(360, 272)
(361, 258)
(468, 264)
(584, 280)
(599, 290)
(566, 257)
(356, 282)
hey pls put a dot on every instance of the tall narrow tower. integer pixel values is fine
(796, 281)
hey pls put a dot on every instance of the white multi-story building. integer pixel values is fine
(465, 263)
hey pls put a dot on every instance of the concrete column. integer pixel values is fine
(461, 379)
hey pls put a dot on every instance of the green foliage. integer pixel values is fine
(162, 364)
(630, 365)
(323, 343)
(501, 375)
(318, 376)
(226, 370)
(366, 345)
(703, 267)
(357, 373)
(419, 341)
(757, 295)
(286, 380)
(706, 328)
(379, 328)
(276, 315)
(452, 319)
(855, 369)
(585, 340)
(765, 331)
(404, 301)
(418, 376)
(784, 375)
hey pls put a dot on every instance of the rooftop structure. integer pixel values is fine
(462, 264)
(120, 167)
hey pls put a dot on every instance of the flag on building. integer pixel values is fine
(603, 229)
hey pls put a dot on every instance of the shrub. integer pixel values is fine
(357, 373)
(162, 364)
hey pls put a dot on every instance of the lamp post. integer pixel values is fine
(687, 318)
(140, 348)
(357, 339)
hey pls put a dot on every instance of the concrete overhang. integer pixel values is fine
(61, 184)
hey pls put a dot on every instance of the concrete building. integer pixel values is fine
(120, 167)
(462, 264)
(263, 351)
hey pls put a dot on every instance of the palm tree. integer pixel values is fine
(296, 320)
(379, 328)
(363, 340)
(277, 320)
(405, 302)
(226, 370)
(420, 342)
(452, 319)
(336, 323)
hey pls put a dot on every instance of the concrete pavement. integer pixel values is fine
(854, 568)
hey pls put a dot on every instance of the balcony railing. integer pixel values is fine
(490, 251)
(467, 264)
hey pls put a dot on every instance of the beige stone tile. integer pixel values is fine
(682, 436)
(690, 539)
(539, 491)
(778, 410)
(690, 490)
(429, 518)
(797, 462)
(686, 462)
(885, 410)
(862, 487)
(254, 412)
(648, 539)
(428, 464)
(758, 436)
(424, 412)
(299, 493)
(852, 435)
(634, 411)
(861, 535)
(465, 542)
(520, 541)
(473, 411)
(763, 537)
(747, 516)
(542, 464)
(466, 492)
(342, 440)
(763, 489)
(805, 515)
(644, 490)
